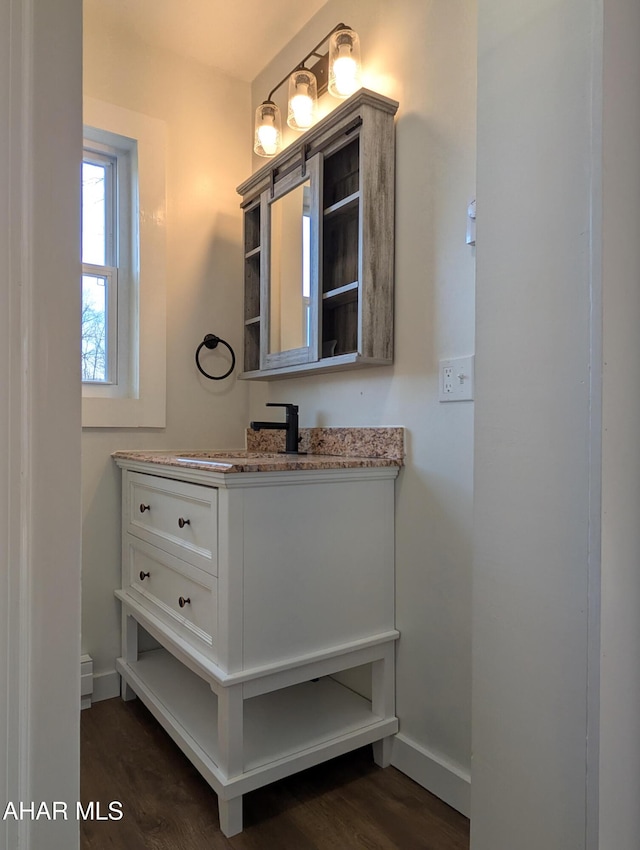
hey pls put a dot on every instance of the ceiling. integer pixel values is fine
(239, 37)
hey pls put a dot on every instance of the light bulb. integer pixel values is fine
(267, 129)
(268, 136)
(345, 70)
(303, 93)
(302, 108)
(344, 63)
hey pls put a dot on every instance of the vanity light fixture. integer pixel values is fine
(268, 134)
(303, 96)
(338, 70)
(344, 63)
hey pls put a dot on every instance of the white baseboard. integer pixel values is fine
(446, 780)
(106, 686)
(86, 681)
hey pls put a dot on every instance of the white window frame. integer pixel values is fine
(116, 154)
(139, 398)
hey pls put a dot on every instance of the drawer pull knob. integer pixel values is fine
(182, 522)
(143, 575)
(144, 508)
(182, 601)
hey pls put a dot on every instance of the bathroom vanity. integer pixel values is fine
(262, 576)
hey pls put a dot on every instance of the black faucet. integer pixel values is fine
(290, 426)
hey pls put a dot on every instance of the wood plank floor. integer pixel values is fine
(345, 804)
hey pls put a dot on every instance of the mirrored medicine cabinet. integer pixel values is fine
(318, 247)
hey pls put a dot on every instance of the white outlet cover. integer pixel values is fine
(456, 379)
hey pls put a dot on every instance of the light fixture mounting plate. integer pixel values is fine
(321, 72)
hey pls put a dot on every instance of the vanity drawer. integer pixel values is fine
(178, 517)
(165, 582)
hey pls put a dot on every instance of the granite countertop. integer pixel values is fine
(327, 448)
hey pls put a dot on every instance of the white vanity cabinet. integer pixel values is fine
(259, 587)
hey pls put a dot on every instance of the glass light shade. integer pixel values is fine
(303, 96)
(268, 129)
(344, 63)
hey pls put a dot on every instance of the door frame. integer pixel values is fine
(40, 485)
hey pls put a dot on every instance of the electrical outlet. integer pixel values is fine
(447, 380)
(456, 379)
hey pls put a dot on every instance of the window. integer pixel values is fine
(123, 268)
(109, 248)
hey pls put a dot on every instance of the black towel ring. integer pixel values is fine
(211, 341)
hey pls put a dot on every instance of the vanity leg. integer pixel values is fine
(383, 701)
(230, 744)
(230, 730)
(230, 812)
(382, 751)
(129, 652)
(126, 692)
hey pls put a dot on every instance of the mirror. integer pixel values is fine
(290, 270)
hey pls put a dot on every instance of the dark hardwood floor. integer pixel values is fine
(345, 804)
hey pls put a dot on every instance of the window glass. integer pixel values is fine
(100, 225)
(94, 328)
(94, 213)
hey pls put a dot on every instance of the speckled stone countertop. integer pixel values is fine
(327, 448)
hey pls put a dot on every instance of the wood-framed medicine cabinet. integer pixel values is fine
(319, 247)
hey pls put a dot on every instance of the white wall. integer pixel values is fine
(40, 124)
(537, 423)
(422, 54)
(207, 116)
(620, 625)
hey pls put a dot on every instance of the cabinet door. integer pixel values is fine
(290, 251)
